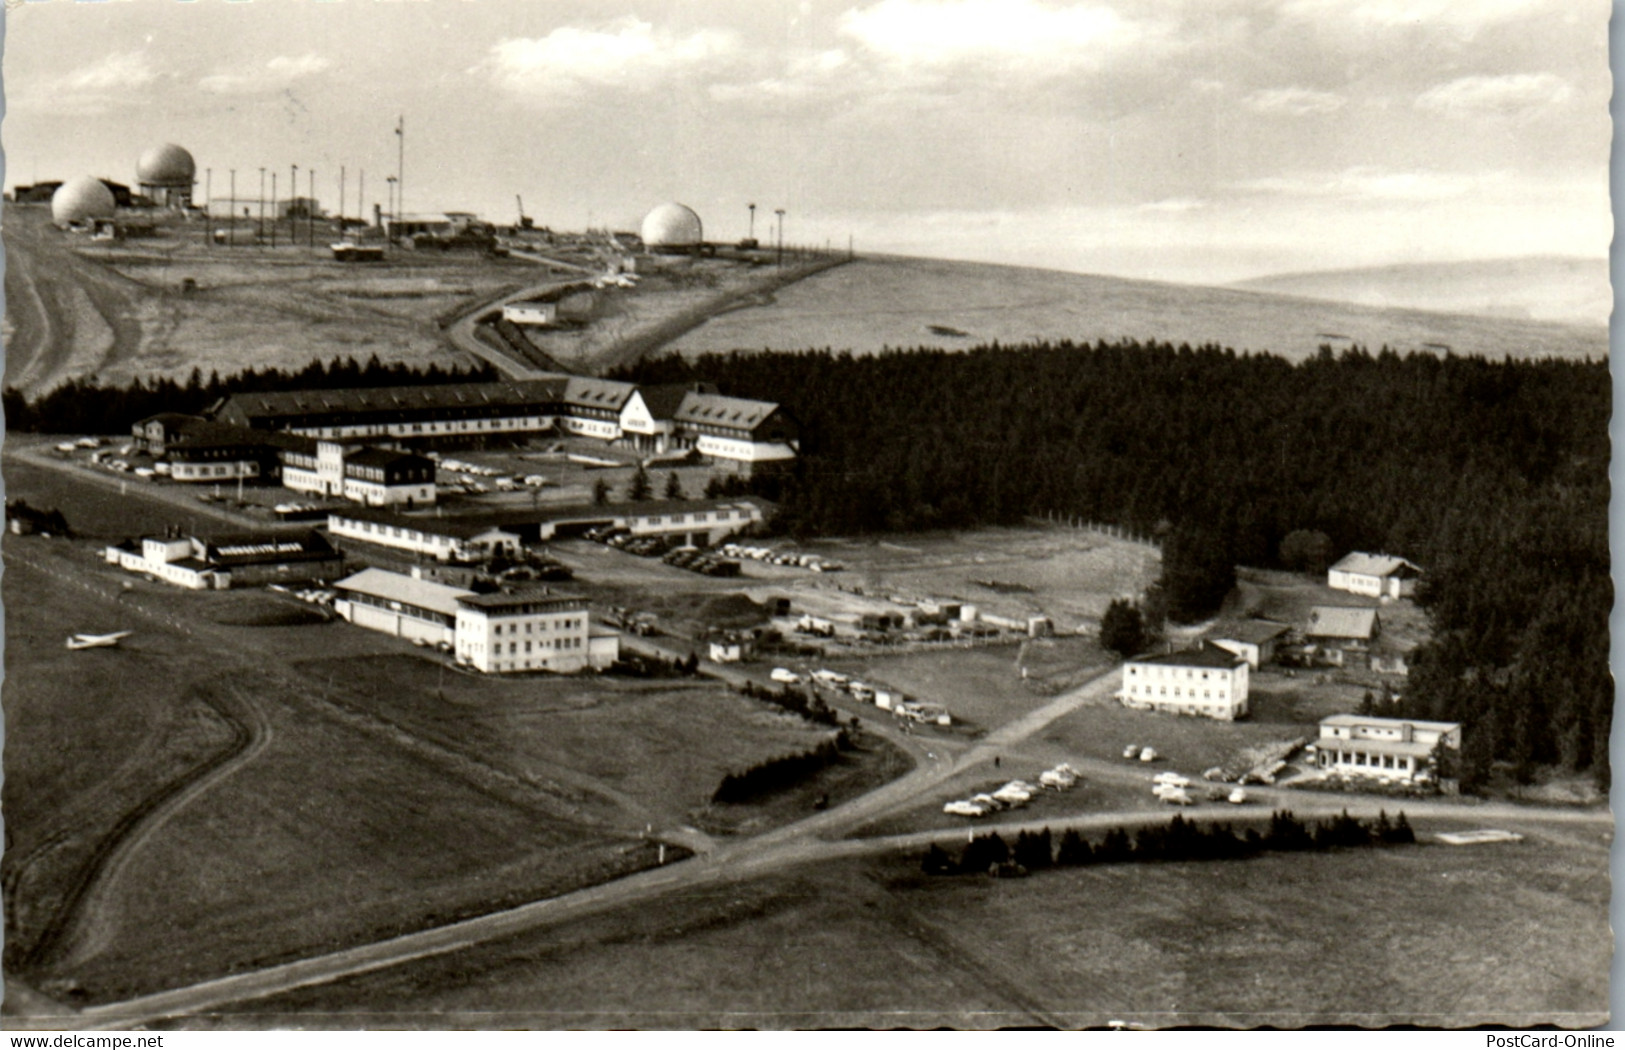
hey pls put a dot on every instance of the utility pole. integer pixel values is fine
(259, 233)
(780, 213)
(208, 191)
(341, 202)
(400, 165)
(752, 208)
(310, 214)
(231, 230)
(293, 196)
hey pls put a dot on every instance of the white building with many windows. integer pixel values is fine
(1385, 748)
(530, 629)
(1209, 682)
(400, 605)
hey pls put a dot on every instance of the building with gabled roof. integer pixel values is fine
(1376, 575)
(1210, 682)
(1337, 633)
(400, 605)
(1252, 640)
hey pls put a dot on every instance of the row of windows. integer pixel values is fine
(1170, 672)
(562, 625)
(227, 471)
(415, 612)
(1360, 758)
(1207, 694)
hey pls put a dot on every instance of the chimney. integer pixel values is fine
(378, 215)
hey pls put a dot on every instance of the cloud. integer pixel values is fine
(274, 75)
(627, 52)
(1461, 15)
(804, 77)
(117, 80)
(1017, 34)
(1375, 184)
(1293, 101)
(1495, 95)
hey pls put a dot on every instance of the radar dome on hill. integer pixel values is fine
(672, 227)
(84, 199)
(167, 174)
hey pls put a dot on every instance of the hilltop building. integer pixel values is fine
(530, 629)
(166, 175)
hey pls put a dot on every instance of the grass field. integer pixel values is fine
(883, 302)
(214, 795)
(1430, 935)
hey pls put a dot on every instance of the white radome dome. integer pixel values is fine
(166, 165)
(672, 226)
(80, 200)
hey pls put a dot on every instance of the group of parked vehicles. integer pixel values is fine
(767, 555)
(1015, 794)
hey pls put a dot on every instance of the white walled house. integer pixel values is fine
(1374, 575)
(530, 629)
(217, 563)
(399, 605)
(540, 312)
(1209, 682)
(1387, 748)
(374, 477)
(444, 539)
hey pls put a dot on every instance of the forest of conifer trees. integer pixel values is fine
(1493, 475)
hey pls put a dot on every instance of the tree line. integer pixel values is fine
(777, 774)
(89, 406)
(1178, 840)
(1492, 475)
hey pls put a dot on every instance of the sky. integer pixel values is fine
(1188, 140)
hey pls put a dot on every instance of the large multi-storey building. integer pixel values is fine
(532, 629)
(1211, 682)
(727, 430)
(376, 477)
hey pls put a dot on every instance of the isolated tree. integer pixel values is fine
(639, 489)
(674, 486)
(1307, 551)
(1122, 629)
(600, 492)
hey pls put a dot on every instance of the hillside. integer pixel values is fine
(1538, 288)
(882, 302)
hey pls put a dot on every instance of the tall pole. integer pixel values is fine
(341, 201)
(310, 214)
(259, 233)
(231, 230)
(780, 213)
(293, 195)
(752, 208)
(361, 195)
(273, 209)
(400, 165)
(208, 191)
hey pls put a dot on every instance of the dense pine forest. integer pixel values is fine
(91, 407)
(1493, 475)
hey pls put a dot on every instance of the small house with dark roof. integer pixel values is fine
(1209, 682)
(1252, 640)
(1335, 633)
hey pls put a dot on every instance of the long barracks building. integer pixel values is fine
(659, 419)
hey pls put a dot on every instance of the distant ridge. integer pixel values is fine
(1564, 289)
(878, 302)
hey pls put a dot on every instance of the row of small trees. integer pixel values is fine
(640, 489)
(806, 704)
(777, 774)
(1179, 839)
